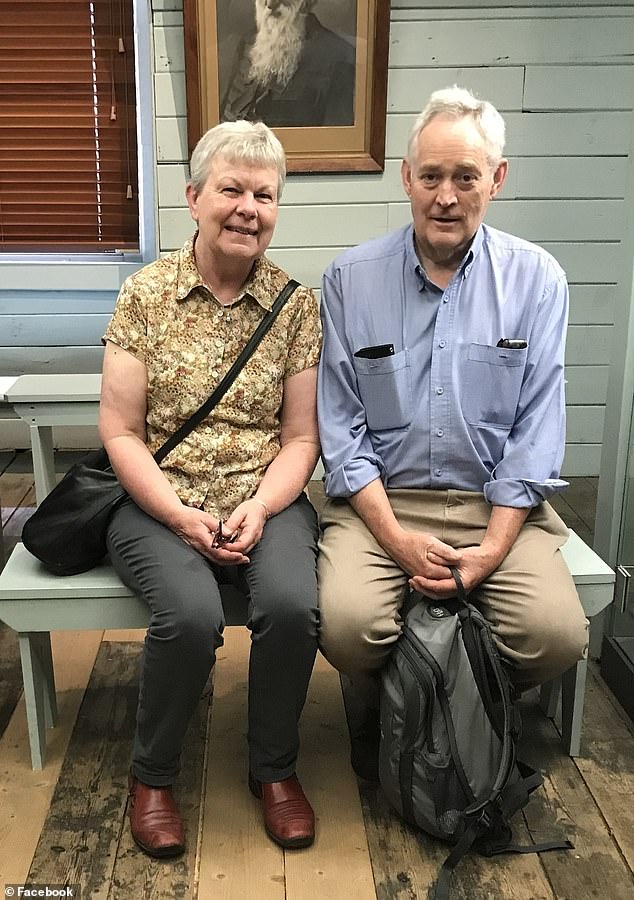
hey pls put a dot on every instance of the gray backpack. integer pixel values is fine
(449, 731)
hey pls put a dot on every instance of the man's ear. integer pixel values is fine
(499, 176)
(406, 177)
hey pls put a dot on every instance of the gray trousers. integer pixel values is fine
(181, 589)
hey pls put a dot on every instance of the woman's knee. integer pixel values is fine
(289, 609)
(193, 620)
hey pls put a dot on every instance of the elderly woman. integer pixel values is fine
(178, 326)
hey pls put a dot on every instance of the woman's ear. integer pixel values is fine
(192, 201)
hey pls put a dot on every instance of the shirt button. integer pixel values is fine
(438, 472)
(440, 390)
(440, 432)
(442, 343)
(445, 299)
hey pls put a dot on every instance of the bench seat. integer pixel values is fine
(33, 602)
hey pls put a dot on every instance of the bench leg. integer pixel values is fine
(549, 697)
(39, 690)
(573, 689)
(43, 460)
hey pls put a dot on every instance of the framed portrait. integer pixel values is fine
(314, 70)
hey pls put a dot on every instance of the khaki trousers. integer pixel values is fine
(530, 600)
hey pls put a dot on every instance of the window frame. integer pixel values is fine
(46, 265)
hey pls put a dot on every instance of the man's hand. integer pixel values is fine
(422, 555)
(475, 564)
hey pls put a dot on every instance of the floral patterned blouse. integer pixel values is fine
(169, 319)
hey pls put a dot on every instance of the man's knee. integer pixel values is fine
(350, 639)
(552, 644)
(564, 644)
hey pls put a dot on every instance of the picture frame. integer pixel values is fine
(330, 116)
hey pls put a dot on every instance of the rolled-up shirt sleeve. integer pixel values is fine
(349, 459)
(528, 472)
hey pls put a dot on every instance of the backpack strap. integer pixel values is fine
(507, 756)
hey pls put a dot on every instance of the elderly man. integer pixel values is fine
(292, 72)
(442, 419)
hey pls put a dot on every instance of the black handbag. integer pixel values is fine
(67, 532)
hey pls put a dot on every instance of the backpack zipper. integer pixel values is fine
(420, 650)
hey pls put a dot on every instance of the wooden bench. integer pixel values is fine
(34, 603)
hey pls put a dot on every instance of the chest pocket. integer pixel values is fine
(491, 385)
(386, 390)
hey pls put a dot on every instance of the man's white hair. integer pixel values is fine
(456, 103)
(238, 142)
(279, 41)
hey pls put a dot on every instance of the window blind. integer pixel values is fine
(68, 151)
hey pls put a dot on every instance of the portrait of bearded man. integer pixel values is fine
(287, 69)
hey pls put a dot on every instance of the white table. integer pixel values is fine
(43, 401)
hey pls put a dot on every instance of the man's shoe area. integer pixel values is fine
(365, 736)
(288, 816)
(155, 822)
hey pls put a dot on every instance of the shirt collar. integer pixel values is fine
(412, 260)
(259, 285)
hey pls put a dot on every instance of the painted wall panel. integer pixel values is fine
(569, 176)
(543, 134)
(53, 302)
(169, 50)
(54, 330)
(579, 87)
(169, 91)
(587, 263)
(477, 42)
(51, 360)
(64, 277)
(584, 425)
(589, 345)
(424, 8)
(581, 459)
(586, 385)
(592, 304)
(408, 88)
(171, 140)
(171, 179)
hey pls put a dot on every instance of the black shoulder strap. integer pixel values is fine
(231, 375)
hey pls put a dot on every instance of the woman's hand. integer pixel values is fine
(247, 521)
(198, 529)
(225, 542)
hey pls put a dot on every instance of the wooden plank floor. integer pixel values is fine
(67, 824)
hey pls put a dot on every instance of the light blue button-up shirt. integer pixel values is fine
(447, 408)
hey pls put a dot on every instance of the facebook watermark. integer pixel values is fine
(42, 890)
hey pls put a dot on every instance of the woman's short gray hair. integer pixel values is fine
(249, 142)
(456, 103)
